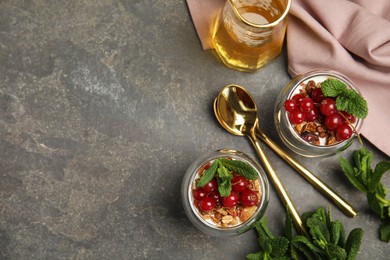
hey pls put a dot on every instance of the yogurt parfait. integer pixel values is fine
(319, 113)
(224, 193)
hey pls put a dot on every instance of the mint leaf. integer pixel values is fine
(240, 167)
(332, 87)
(349, 171)
(304, 245)
(208, 175)
(363, 159)
(336, 230)
(224, 188)
(256, 256)
(224, 181)
(384, 231)
(279, 246)
(353, 243)
(375, 205)
(335, 252)
(351, 102)
(347, 99)
(263, 230)
(377, 174)
(318, 228)
(367, 180)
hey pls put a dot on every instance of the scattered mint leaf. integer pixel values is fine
(306, 247)
(241, 168)
(298, 246)
(349, 171)
(264, 234)
(336, 230)
(368, 180)
(384, 232)
(335, 252)
(377, 174)
(347, 99)
(256, 256)
(318, 227)
(353, 243)
(279, 247)
(375, 205)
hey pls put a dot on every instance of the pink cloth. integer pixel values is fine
(203, 13)
(348, 36)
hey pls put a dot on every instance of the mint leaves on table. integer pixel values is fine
(327, 239)
(347, 99)
(223, 169)
(368, 180)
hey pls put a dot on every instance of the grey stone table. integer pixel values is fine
(103, 106)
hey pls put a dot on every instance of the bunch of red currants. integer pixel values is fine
(315, 107)
(208, 197)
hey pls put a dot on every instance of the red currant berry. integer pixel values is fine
(343, 132)
(351, 119)
(248, 198)
(328, 107)
(231, 200)
(333, 121)
(239, 183)
(206, 204)
(290, 105)
(210, 186)
(215, 196)
(312, 115)
(306, 105)
(199, 194)
(296, 116)
(298, 97)
(317, 96)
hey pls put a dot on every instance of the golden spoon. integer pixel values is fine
(234, 105)
(236, 111)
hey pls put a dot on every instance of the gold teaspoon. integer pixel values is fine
(228, 122)
(237, 113)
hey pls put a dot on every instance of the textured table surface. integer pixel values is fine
(103, 106)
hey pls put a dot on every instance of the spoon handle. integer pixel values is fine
(322, 187)
(283, 195)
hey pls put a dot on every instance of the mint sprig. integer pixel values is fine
(241, 168)
(223, 169)
(367, 180)
(347, 99)
(326, 239)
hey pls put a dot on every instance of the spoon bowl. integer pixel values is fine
(235, 109)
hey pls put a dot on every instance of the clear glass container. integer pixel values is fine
(195, 215)
(248, 34)
(286, 130)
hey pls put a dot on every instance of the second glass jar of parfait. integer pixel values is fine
(310, 136)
